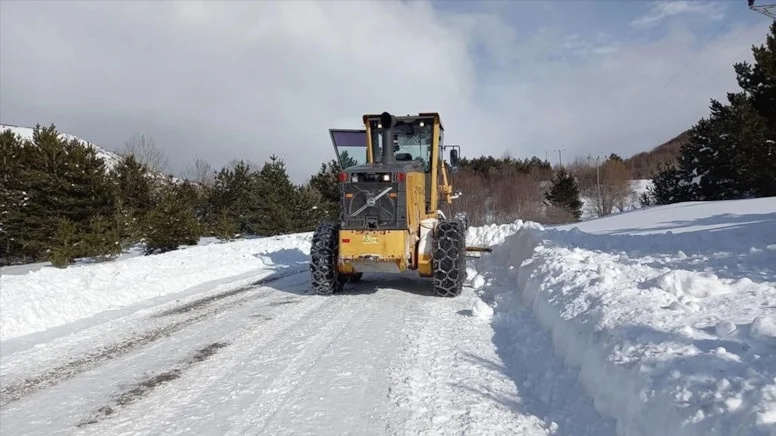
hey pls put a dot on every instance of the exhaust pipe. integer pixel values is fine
(388, 121)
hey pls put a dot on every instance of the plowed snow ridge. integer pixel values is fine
(669, 313)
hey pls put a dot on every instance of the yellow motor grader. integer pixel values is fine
(392, 182)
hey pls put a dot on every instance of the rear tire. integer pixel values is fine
(324, 250)
(449, 258)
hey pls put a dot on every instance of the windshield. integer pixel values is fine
(350, 146)
(412, 142)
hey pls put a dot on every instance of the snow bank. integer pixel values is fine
(50, 297)
(672, 333)
(492, 234)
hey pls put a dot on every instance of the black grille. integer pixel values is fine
(385, 212)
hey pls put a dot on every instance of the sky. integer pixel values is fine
(247, 79)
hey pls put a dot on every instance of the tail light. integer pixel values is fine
(400, 177)
(343, 177)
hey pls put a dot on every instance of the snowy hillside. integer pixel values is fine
(110, 158)
(659, 321)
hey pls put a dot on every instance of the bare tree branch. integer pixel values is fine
(145, 151)
(201, 172)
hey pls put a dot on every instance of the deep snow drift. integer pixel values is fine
(669, 312)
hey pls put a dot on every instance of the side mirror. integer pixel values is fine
(454, 157)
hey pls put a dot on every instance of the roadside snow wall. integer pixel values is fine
(665, 352)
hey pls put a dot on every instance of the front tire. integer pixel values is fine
(324, 250)
(449, 258)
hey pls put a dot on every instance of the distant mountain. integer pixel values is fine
(644, 164)
(110, 158)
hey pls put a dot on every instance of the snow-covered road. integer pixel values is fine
(658, 322)
(254, 356)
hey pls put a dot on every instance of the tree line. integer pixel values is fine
(60, 201)
(496, 191)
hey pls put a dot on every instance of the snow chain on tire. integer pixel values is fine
(449, 258)
(324, 250)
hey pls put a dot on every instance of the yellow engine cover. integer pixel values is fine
(373, 251)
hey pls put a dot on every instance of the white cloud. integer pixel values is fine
(665, 9)
(249, 79)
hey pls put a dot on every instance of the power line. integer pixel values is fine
(673, 76)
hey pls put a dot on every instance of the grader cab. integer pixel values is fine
(393, 181)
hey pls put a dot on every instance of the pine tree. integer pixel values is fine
(225, 228)
(133, 188)
(326, 183)
(347, 160)
(171, 222)
(63, 247)
(312, 209)
(53, 179)
(232, 196)
(564, 194)
(732, 153)
(13, 199)
(276, 199)
(102, 242)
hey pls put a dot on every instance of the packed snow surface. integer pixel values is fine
(659, 321)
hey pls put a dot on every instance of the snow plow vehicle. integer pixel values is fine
(392, 182)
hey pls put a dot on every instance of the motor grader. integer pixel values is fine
(393, 179)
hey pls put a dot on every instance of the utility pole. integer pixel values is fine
(598, 181)
(560, 160)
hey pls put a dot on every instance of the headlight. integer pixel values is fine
(386, 177)
(354, 179)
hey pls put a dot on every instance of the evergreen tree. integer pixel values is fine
(564, 194)
(63, 245)
(232, 197)
(732, 153)
(276, 198)
(102, 242)
(347, 160)
(171, 222)
(312, 209)
(133, 194)
(53, 179)
(225, 228)
(326, 183)
(13, 235)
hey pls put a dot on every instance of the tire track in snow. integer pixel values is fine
(339, 382)
(235, 378)
(206, 301)
(144, 387)
(449, 380)
(14, 391)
